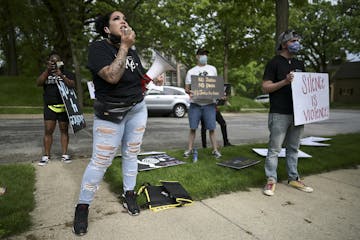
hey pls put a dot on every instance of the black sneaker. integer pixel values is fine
(228, 145)
(130, 203)
(81, 219)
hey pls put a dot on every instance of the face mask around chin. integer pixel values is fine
(203, 59)
(114, 39)
(294, 47)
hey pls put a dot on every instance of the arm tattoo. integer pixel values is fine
(117, 67)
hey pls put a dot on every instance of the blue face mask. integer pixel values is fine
(294, 47)
(203, 59)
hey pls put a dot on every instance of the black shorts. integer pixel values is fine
(51, 115)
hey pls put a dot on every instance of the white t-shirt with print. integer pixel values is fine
(206, 70)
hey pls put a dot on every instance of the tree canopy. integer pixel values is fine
(240, 35)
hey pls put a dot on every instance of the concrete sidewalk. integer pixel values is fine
(332, 211)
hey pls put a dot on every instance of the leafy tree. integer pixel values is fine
(349, 10)
(239, 34)
(232, 33)
(10, 30)
(246, 79)
(328, 32)
(167, 26)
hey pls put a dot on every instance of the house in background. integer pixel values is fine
(345, 84)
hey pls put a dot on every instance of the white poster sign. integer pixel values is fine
(314, 141)
(263, 152)
(310, 93)
(91, 88)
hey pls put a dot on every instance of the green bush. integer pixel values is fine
(238, 103)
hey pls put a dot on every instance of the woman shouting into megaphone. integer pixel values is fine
(120, 112)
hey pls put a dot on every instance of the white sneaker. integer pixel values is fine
(217, 154)
(269, 188)
(187, 153)
(44, 160)
(66, 158)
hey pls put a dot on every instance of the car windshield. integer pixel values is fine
(169, 91)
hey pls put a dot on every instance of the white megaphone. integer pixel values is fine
(160, 65)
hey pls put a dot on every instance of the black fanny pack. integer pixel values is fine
(113, 112)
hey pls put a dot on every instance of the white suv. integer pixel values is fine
(172, 100)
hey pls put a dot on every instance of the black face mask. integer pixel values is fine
(114, 39)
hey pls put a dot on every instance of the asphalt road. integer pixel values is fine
(21, 135)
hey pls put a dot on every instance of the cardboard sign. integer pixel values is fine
(73, 110)
(207, 87)
(310, 92)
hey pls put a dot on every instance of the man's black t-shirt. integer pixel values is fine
(276, 70)
(51, 93)
(128, 89)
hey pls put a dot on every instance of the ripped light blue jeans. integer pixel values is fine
(107, 137)
(282, 130)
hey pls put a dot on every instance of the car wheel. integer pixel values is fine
(179, 110)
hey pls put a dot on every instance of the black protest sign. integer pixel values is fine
(73, 110)
(239, 163)
(207, 87)
(157, 161)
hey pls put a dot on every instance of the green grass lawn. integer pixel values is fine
(20, 91)
(18, 201)
(205, 179)
(202, 180)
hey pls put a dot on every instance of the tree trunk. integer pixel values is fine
(282, 18)
(67, 46)
(226, 55)
(78, 77)
(10, 54)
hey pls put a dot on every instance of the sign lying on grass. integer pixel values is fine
(263, 152)
(239, 163)
(310, 93)
(149, 162)
(314, 141)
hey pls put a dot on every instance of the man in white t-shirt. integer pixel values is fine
(203, 108)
